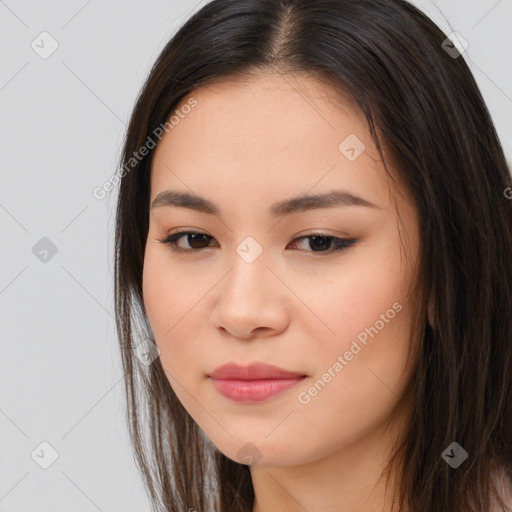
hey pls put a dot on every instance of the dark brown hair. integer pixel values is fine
(426, 114)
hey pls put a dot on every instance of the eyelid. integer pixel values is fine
(340, 243)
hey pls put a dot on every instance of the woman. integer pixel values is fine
(314, 236)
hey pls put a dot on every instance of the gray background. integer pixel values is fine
(62, 123)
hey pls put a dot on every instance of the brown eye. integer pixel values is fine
(194, 239)
(318, 242)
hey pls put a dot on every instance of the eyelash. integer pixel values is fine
(340, 244)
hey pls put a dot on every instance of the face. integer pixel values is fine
(320, 289)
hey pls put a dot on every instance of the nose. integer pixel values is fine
(251, 301)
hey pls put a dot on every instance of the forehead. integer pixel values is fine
(272, 129)
(290, 106)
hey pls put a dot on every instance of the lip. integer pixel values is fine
(254, 371)
(254, 383)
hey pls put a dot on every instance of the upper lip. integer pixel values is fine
(254, 371)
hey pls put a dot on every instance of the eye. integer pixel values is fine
(195, 239)
(318, 242)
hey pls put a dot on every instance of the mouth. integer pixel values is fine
(253, 390)
(254, 383)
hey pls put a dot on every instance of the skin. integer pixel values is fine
(246, 145)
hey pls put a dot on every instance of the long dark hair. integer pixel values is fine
(426, 115)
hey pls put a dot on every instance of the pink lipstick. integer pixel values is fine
(254, 383)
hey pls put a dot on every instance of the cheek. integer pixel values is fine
(355, 296)
(169, 293)
(360, 372)
(172, 300)
(162, 301)
(159, 302)
(367, 309)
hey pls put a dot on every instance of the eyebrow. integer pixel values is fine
(302, 203)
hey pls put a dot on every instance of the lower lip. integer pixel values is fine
(253, 390)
